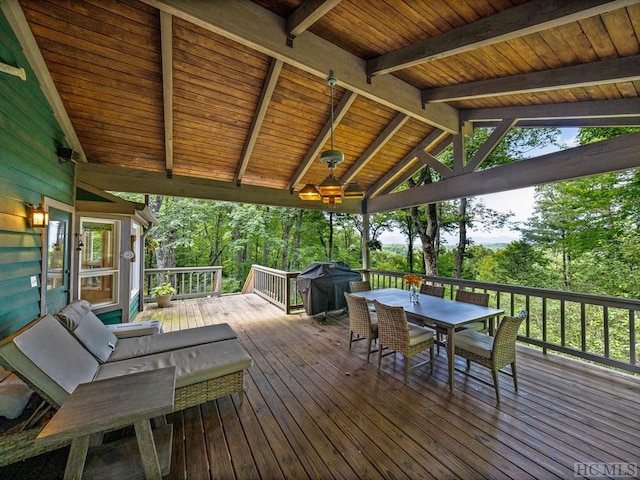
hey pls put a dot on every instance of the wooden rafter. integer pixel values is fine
(401, 166)
(309, 12)
(427, 159)
(166, 42)
(391, 129)
(341, 110)
(263, 104)
(624, 69)
(515, 22)
(616, 154)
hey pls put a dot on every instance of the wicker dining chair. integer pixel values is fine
(362, 286)
(433, 290)
(476, 298)
(398, 335)
(363, 323)
(492, 352)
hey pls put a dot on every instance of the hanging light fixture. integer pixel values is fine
(330, 189)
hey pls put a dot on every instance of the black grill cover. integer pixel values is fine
(322, 286)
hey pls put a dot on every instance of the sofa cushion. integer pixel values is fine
(50, 358)
(72, 315)
(193, 365)
(88, 329)
(164, 342)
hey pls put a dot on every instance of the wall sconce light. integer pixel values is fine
(38, 217)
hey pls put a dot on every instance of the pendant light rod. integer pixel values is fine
(331, 81)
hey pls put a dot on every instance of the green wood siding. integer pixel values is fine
(29, 169)
(110, 318)
(133, 308)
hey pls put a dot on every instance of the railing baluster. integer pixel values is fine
(583, 327)
(605, 325)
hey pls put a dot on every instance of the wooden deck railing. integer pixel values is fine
(191, 282)
(595, 328)
(276, 286)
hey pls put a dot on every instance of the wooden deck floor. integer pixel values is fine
(315, 410)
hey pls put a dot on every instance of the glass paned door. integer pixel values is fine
(57, 260)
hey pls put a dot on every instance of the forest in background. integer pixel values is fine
(583, 234)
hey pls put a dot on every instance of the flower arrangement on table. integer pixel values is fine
(414, 282)
(413, 279)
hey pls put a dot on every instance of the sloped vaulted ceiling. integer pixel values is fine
(228, 100)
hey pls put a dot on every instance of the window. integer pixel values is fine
(98, 276)
(134, 271)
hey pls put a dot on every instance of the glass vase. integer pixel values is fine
(413, 294)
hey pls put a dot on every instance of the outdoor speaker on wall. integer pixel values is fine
(66, 155)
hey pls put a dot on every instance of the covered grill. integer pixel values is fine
(322, 286)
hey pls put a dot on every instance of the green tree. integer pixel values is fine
(592, 224)
(518, 263)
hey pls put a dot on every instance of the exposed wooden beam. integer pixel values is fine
(627, 107)
(429, 159)
(113, 177)
(15, 16)
(569, 123)
(433, 162)
(263, 104)
(251, 25)
(390, 130)
(490, 144)
(341, 110)
(515, 22)
(166, 42)
(402, 164)
(616, 154)
(307, 13)
(624, 69)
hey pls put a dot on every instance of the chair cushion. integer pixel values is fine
(88, 329)
(164, 342)
(419, 334)
(475, 326)
(475, 342)
(193, 365)
(50, 358)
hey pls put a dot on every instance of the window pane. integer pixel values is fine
(99, 245)
(55, 255)
(98, 289)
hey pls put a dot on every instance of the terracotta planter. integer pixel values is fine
(164, 300)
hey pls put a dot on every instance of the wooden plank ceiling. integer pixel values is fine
(228, 100)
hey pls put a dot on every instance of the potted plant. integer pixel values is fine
(163, 293)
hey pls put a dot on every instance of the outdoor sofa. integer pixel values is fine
(53, 361)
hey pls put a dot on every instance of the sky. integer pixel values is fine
(520, 202)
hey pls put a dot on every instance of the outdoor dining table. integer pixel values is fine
(448, 314)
